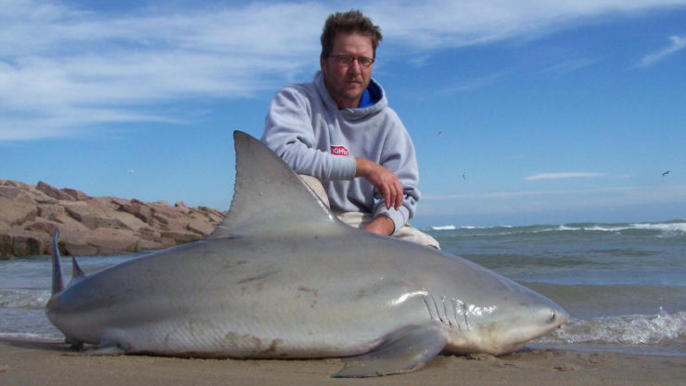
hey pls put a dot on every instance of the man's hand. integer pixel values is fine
(382, 225)
(384, 180)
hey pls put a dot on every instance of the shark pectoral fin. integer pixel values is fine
(403, 351)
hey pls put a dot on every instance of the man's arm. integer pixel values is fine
(384, 180)
(290, 134)
(388, 185)
(382, 225)
(395, 178)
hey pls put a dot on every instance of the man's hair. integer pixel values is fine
(349, 22)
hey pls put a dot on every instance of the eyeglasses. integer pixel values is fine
(347, 60)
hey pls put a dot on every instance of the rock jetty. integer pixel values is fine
(93, 225)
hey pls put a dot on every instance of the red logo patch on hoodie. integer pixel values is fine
(339, 150)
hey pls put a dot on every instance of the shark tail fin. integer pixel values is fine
(57, 276)
(57, 280)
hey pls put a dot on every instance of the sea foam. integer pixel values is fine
(661, 329)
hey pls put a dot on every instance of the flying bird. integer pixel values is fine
(665, 173)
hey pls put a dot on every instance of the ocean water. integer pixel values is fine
(624, 284)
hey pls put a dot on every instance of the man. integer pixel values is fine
(340, 130)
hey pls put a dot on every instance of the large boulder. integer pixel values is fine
(93, 225)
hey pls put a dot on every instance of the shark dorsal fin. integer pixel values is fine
(269, 197)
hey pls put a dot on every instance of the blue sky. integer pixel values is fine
(522, 112)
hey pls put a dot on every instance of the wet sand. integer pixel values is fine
(49, 363)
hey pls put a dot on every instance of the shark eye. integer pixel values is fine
(553, 316)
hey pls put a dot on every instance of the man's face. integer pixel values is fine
(347, 82)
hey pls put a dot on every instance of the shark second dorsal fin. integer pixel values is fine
(77, 273)
(269, 197)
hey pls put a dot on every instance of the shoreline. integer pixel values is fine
(48, 362)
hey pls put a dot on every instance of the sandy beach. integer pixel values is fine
(49, 363)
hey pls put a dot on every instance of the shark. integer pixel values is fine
(282, 277)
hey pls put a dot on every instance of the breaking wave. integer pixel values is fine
(658, 330)
(674, 228)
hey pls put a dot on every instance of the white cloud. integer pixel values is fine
(569, 65)
(449, 23)
(678, 43)
(550, 176)
(63, 68)
(473, 84)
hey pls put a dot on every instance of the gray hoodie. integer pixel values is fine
(307, 130)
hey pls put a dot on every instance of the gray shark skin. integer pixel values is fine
(281, 277)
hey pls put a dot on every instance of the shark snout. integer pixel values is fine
(558, 317)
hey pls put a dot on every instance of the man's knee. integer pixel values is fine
(360, 220)
(410, 233)
(316, 186)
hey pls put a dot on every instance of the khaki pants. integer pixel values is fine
(361, 219)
